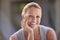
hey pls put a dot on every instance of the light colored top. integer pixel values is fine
(43, 31)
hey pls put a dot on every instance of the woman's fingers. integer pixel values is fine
(23, 22)
(25, 25)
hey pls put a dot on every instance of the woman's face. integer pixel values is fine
(33, 16)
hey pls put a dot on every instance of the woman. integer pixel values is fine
(31, 30)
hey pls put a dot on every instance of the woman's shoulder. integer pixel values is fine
(45, 27)
(14, 35)
(50, 32)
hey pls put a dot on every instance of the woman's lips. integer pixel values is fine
(33, 23)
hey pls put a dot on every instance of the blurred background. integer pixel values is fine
(10, 15)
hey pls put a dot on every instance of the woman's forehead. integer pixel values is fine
(34, 11)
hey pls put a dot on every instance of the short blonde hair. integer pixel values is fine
(29, 5)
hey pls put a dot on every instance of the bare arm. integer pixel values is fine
(31, 36)
(27, 28)
(51, 35)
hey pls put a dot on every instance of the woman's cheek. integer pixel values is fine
(38, 21)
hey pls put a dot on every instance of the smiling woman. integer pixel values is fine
(31, 28)
(33, 17)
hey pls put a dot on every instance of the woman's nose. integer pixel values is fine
(34, 19)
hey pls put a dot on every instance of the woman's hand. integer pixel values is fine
(28, 29)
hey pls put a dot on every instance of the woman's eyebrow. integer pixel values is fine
(30, 15)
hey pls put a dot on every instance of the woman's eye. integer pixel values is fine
(30, 16)
(38, 17)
